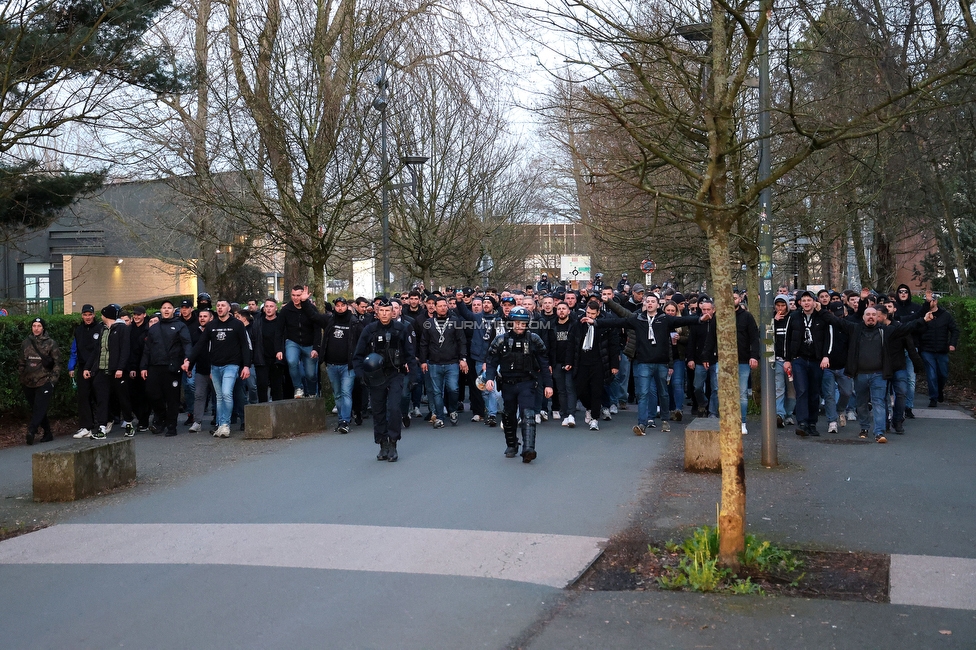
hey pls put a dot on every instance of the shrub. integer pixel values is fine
(962, 362)
(13, 330)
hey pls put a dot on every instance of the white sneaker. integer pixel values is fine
(613, 409)
(832, 427)
(594, 425)
(195, 427)
(299, 393)
(605, 414)
(744, 429)
(842, 420)
(852, 416)
(82, 433)
(335, 409)
(545, 416)
(538, 418)
(569, 421)
(587, 418)
(223, 431)
(665, 426)
(555, 415)
(415, 413)
(108, 427)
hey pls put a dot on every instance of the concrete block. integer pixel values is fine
(82, 469)
(702, 452)
(285, 418)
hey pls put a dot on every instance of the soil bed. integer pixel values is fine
(626, 565)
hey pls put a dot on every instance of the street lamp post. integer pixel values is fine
(702, 32)
(380, 103)
(766, 373)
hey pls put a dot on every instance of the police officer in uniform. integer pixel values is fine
(384, 355)
(518, 358)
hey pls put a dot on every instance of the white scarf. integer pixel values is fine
(588, 340)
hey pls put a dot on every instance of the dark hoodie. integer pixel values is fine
(905, 310)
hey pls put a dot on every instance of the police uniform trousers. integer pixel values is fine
(518, 395)
(385, 400)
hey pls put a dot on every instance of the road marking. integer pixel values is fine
(942, 414)
(551, 560)
(933, 581)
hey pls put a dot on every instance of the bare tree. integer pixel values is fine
(677, 101)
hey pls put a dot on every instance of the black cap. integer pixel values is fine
(678, 298)
(806, 292)
(38, 319)
(157, 314)
(338, 299)
(166, 301)
(186, 303)
(138, 309)
(88, 308)
(467, 291)
(112, 312)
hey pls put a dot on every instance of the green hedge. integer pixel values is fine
(13, 331)
(962, 362)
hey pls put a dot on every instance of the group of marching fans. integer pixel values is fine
(521, 356)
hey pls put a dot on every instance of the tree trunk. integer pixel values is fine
(732, 515)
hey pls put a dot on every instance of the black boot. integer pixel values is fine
(384, 450)
(528, 437)
(48, 436)
(392, 450)
(511, 437)
(30, 436)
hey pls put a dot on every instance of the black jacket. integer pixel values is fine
(941, 333)
(300, 324)
(119, 348)
(746, 336)
(891, 346)
(86, 343)
(607, 341)
(510, 343)
(167, 344)
(274, 331)
(645, 351)
(702, 342)
(394, 341)
(796, 331)
(453, 347)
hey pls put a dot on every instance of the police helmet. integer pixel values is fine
(519, 314)
(481, 380)
(373, 365)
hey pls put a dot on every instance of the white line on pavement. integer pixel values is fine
(552, 560)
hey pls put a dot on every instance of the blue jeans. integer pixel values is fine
(899, 384)
(621, 380)
(936, 372)
(676, 386)
(807, 379)
(224, 378)
(712, 402)
(651, 386)
(342, 377)
(443, 379)
(564, 385)
(784, 403)
(871, 386)
(745, 372)
(300, 362)
(910, 369)
(834, 382)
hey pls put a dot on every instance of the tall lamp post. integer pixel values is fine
(766, 373)
(380, 103)
(702, 32)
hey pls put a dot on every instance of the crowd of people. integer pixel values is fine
(522, 357)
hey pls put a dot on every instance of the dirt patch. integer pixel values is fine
(627, 565)
(13, 430)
